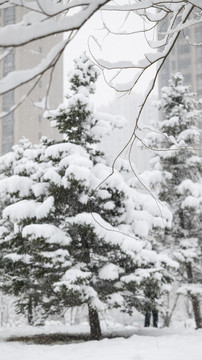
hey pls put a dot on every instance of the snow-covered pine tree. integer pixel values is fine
(98, 233)
(14, 184)
(25, 264)
(118, 204)
(176, 177)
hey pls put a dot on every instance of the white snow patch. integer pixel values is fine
(15, 184)
(110, 272)
(51, 233)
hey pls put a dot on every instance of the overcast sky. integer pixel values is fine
(130, 47)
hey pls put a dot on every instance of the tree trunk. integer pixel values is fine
(147, 319)
(95, 329)
(30, 312)
(197, 312)
(166, 320)
(195, 300)
(155, 315)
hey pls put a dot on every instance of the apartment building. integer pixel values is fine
(186, 58)
(27, 120)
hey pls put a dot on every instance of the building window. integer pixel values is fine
(8, 100)
(8, 119)
(6, 147)
(200, 127)
(39, 135)
(9, 15)
(199, 67)
(9, 63)
(184, 49)
(165, 67)
(198, 51)
(184, 63)
(199, 83)
(40, 50)
(173, 65)
(173, 51)
(39, 118)
(187, 79)
(7, 131)
(198, 35)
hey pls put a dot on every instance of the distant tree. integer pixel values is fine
(176, 177)
(71, 240)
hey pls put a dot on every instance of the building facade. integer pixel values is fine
(186, 58)
(27, 120)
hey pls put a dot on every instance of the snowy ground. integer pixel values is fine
(145, 344)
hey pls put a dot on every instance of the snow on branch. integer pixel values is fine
(15, 79)
(39, 24)
(42, 19)
(168, 18)
(49, 17)
(176, 20)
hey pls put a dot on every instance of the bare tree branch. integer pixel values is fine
(48, 17)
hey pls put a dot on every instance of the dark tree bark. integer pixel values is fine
(194, 299)
(197, 312)
(155, 316)
(166, 322)
(95, 329)
(30, 311)
(147, 319)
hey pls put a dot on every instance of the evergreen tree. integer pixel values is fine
(23, 192)
(176, 179)
(79, 242)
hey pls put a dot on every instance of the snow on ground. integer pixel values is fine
(145, 344)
